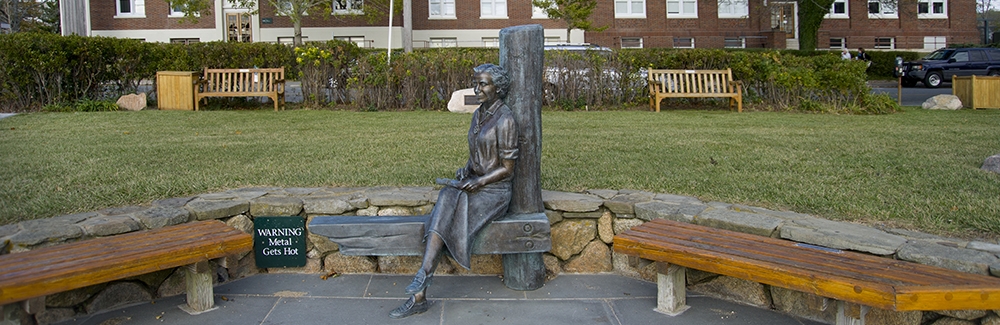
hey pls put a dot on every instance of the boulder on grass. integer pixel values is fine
(132, 102)
(943, 102)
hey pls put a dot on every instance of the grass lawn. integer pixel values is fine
(917, 169)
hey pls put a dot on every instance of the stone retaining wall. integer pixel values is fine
(583, 225)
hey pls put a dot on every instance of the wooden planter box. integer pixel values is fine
(977, 91)
(175, 90)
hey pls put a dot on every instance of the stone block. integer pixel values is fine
(162, 216)
(322, 244)
(241, 223)
(677, 199)
(805, 305)
(553, 267)
(42, 233)
(570, 237)
(54, 315)
(985, 247)
(326, 205)
(991, 319)
(209, 210)
(603, 193)
(992, 164)
(174, 285)
(117, 211)
(595, 258)
(457, 102)
(676, 211)
(275, 206)
(751, 223)
(177, 202)
(878, 316)
(583, 215)
(132, 102)
(116, 295)
(349, 264)
(953, 321)
(7, 230)
(488, 264)
(787, 215)
(736, 290)
(107, 226)
(963, 314)
(69, 299)
(605, 227)
(841, 235)
(553, 216)
(625, 203)
(959, 259)
(571, 202)
(405, 197)
(241, 265)
(621, 225)
(395, 211)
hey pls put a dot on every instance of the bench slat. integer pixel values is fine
(843, 261)
(849, 276)
(119, 262)
(867, 293)
(78, 252)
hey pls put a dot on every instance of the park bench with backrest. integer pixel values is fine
(665, 83)
(30, 275)
(865, 280)
(242, 83)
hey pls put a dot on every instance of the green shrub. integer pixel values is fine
(83, 105)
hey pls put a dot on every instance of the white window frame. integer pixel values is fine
(493, 9)
(935, 42)
(734, 9)
(682, 12)
(173, 12)
(885, 12)
(436, 42)
(631, 39)
(839, 15)
(892, 43)
(630, 8)
(930, 14)
(350, 10)
(137, 9)
(539, 13)
(742, 40)
(446, 9)
(491, 42)
(683, 47)
(357, 40)
(843, 43)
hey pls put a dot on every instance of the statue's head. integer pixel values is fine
(501, 80)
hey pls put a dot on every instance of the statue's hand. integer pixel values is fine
(462, 173)
(472, 184)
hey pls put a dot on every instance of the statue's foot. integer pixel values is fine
(420, 282)
(409, 308)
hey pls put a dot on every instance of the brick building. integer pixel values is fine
(919, 24)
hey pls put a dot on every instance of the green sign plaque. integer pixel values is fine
(279, 241)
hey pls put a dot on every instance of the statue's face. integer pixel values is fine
(486, 91)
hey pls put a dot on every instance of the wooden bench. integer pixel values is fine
(241, 83)
(54, 269)
(866, 280)
(694, 84)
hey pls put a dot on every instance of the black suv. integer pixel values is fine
(942, 64)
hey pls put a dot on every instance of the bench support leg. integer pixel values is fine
(671, 292)
(523, 272)
(200, 297)
(846, 316)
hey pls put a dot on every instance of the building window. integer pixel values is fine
(491, 42)
(554, 40)
(493, 9)
(176, 10)
(838, 43)
(130, 9)
(733, 9)
(838, 10)
(935, 42)
(442, 9)
(630, 8)
(735, 43)
(683, 42)
(631, 42)
(882, 10)
(347, 7)
(357, 40)
(184, 40)
(885, 43)
(444, 42)
(539, 13)
(682, 9)
(932, 9)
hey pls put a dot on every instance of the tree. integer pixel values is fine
(576, 13)
(812, 13)
(29, 15)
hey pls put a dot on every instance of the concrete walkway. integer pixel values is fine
(367, 299)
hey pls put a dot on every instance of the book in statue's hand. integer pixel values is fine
(449, 182)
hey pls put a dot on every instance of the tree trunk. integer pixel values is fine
(297, 28)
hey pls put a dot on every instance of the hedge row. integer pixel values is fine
(44, 69)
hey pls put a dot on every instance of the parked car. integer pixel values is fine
(941, 65)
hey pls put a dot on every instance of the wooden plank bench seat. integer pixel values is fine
(242, 83)
(866, 280)
(667, 83)
(54, 269)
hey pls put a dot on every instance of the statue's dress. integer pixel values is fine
(458, 215)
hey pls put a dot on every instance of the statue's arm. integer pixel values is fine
(472, 184)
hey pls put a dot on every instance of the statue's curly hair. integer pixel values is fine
(500, 77)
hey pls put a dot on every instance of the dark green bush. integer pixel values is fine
(83, 105)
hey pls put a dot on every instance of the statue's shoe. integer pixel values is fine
(409, 308)
(420, 282)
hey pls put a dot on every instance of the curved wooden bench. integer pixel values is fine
(64, 267)
(867, 280)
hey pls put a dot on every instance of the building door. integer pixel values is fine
(238, 27)
(784, 18)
